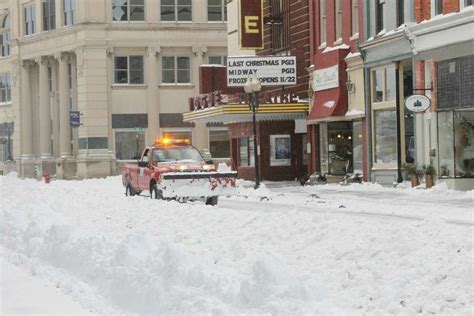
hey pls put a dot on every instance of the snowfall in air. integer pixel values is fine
(83, 247)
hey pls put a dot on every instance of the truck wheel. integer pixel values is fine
(129, 190)
(211, 200)
(155, 193)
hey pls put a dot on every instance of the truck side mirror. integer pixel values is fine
(143, 164)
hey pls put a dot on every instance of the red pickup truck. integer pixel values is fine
(174, 169)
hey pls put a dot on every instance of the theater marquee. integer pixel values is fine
(251, 24)
(270, 70)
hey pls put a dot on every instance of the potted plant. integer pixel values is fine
(414, 173)
(430, 173)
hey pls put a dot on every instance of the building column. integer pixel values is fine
(27, 112)
(153, 103)
(66, 163)
(44, 109)
(27, 160)
(64, 107)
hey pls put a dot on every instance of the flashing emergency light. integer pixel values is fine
(169, 141)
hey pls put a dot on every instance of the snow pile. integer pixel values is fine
(115, 254)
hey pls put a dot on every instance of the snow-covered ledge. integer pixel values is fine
(442, 30)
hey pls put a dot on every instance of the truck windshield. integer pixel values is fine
(173, 154)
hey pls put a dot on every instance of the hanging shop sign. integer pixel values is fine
(326, 78)
(270, 70)
(251, 24)
(417, 103)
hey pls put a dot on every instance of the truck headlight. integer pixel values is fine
(209, 167)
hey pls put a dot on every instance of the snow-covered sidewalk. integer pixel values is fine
(24, 294)
(280, 250)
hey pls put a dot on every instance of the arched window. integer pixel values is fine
(5, 36)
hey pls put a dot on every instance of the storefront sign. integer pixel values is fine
(270, 70)
(251, 24)
(417, 103)
(75, 118)
(280, 150)
(326, 78)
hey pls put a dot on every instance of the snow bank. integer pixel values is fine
(119, 255)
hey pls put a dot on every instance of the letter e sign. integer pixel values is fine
(251, 24)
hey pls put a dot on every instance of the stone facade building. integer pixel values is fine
(127, 67)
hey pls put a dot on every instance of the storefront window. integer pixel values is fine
(219, 145)
(340, 148)
(305, 149)
(357, 146)
(323, 147)
(377, 82)
(129, 144)
(385, 136)
(445, 144)
(390, 84)
(464, 143)
(244, 152)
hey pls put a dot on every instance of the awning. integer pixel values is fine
(239, 113)
(327, 105)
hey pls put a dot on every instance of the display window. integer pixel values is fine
(456, 144)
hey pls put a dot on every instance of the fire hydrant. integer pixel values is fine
(46, 177)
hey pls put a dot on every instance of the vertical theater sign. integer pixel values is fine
(251, 24)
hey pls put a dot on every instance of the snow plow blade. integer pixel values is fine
(198, 184)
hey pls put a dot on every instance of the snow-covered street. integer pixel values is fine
(282, 249)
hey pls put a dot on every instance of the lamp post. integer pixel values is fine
(252, 87)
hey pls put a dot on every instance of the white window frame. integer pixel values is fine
(29, 6)
(223, 12)
(8, 89)
(72, 11)
(339, 24)
(48, 17)
(463, 5)
(128, 83)
(5, 37)
(377, 106)
(128, 13)
(322, 23)
(176, 70)
(433, 8)
(176, 20)
(355, 19)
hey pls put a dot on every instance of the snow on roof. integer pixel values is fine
(354, 113)
(329, 49)
(212, 65)
(351, 54)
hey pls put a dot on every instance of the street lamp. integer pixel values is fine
(252, 87)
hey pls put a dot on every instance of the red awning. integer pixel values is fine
(328, 103)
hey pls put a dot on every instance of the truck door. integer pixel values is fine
(144, 172)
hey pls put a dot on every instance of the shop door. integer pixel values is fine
(340, 148)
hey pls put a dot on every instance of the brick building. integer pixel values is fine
(443, 43)
(337, 118)
(283, 109)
